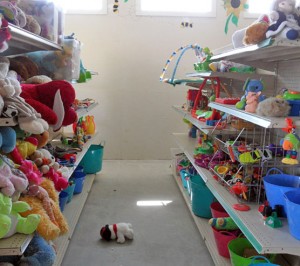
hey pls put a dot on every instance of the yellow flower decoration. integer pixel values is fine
(233, 10)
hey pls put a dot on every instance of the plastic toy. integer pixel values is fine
(273, 221)
(205, 62)
(250, 157)
(252, 99)
(291, 95)
(226, 223)
(251, 85)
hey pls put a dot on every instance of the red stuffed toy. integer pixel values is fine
(53, 100)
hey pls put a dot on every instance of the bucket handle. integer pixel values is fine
(253, 259)
(102, 143)
(274, 169)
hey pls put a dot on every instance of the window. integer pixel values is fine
(202, 8)
(258, 7)
(83, 7)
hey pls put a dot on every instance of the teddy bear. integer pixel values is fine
(12, 222)
(12, 181)
(32, 25)
(256, 32)
(47, 229)
(24, 66)
(117, 231)
(285, 21)
(53, 100)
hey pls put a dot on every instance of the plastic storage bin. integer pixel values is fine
(217, 210)
(277, 184)
(92, 160)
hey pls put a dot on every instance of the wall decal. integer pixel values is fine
(233, 9)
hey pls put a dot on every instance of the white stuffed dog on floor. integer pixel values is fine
(117, 231)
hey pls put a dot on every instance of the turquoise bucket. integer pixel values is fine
(201, 197)
(92, 160)
(70, 191)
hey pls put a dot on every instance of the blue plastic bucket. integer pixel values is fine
(292, 199)
(92, 160)
(201, 197)
(79, 182)
(70, 190)
(63, 198)
(277, 184)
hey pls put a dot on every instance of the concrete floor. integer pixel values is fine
(164, 235)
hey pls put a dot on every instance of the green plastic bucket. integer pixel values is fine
(92, 160)
(237, 247)
(201, 197)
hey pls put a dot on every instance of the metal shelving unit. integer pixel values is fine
(264, 238)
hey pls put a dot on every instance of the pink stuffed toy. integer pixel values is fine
(31, 171)
(60, 183)
(252, 100)
(53, 100)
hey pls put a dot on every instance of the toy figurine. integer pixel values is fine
(252, 100)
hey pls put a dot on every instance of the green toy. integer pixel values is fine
(225, 223)
(273, 221)
(12, 222)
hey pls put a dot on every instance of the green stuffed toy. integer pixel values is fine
(12, 222)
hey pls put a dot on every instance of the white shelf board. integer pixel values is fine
(83, 111)
(14, 245)
(204, 229)
(72, 213)
(266, 122)
(264, 238)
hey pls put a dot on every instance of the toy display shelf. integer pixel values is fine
(14, 245)
(266, 122)
(203, 227)
(83, 111)
(263, 55)
(268, 77)
(23, 41)
(72, 213)
(264, 238)
(199, 124)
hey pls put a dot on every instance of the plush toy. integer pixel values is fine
(252, 99)
(223, 223)
(39, 79)
(12, 222)
(32, 25)
(256, 32)
(44, 160)
(24, 67)
(4, 34)
(47, 229)
(273, 107)
(31, 171)
(38, 252)
(117, 231)
(285, 21)
(13, 13)
(24, 148)
(42, 139)
(7, 139)
(53, 100)
(12, 181)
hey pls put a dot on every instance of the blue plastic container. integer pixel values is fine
(70, 191)
(63, 198)
(184, 175)
(295, 107)
(201, 197)
(277, 184)
(79, 182)
(92, 160)
(292, 200)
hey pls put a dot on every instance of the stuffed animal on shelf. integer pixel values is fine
(38, 252)
(7, 139)
(24, 66)
(252, 99)
(256, 32)
(47, 229)
(4, 34)
(285, 21)
(53, 100)
(32, 25)
(118, 231)
(273, 107)
(12, 222)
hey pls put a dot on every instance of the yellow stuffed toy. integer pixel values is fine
(53, 223)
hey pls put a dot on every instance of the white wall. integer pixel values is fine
(135, 116)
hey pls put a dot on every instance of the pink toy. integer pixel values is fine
(33, 174)
(252, 100)
(60, 183)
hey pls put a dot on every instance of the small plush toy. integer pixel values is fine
(285, 21)
(32, 25)
(273, 107)
(47, 229)
(221, 223)
(118, 231)
(24, 67)
(10, 220)
(38, 252)
(7, 139)
(4, 34)
(256, 32)
(53, 100)
(252, 99)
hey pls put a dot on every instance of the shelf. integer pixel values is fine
(72, 213)
(266, 122)
(83, 111)
(264, 238)
(265, 53)
(23, 41)
(204, 228)
(14, 245)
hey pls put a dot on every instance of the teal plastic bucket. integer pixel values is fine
(292, 200)
(63, 198)
(92, 160)
(277, 184)
(70, 190)
(201, 197)
(78, 178)
(184, 176)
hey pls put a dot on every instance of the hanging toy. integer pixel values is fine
(290, 143)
